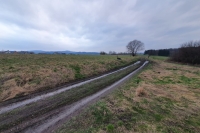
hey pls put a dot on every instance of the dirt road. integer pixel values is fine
(43, 121)
(37, 98)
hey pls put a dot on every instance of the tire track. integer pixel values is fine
(41, 97)
(49, 124)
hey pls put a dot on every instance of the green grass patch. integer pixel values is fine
(101, 113)
(158, 112)
(165, 80)
(110, 128)
(162, 58)
(192, 82)
(77, 70)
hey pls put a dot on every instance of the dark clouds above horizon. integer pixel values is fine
(96, 25)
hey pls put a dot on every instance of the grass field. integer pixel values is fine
(25, 74)
(37, 109)
(163, 98)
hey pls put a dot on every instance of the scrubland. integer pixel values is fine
(24, 74)
(165, 97)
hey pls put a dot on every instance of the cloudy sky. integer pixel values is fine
(96, 25)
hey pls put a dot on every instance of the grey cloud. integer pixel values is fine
(98, 25)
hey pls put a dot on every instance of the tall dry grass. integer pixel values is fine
(25, 74)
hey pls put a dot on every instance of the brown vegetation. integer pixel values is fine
(172, 104)
(141, 92)
(25, 74)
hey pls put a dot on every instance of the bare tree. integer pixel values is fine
(103, 53)
(112, 53)
(134, 46)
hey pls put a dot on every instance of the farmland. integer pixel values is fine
(163, 98)
(24, 74)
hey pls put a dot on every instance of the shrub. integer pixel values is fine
(189, 52)
(110, 128)
(101, 113)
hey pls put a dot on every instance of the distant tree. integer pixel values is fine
(134, 46)
(151, 52)
(163, 52)
(102, 53)
(189, 52)
(112, 53)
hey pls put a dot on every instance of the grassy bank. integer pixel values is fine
(163, 98)
(32, 111)
(24, 74)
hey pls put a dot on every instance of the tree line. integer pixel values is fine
(189, 52)
(113, 53)
(160, 52)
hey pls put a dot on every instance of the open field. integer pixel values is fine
(24, 74)
(163, 98)
(31, 115)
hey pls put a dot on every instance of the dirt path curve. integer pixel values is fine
(53, 122)
(40, 97)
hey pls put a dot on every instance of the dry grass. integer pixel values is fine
(167, 99)
(25, 74)
(140, 92)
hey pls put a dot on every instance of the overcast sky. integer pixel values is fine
(97, 25)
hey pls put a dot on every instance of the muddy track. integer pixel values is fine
(12, 106)
(60, 86)
(45, 113)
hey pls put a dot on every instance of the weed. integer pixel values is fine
(110, 128)
(142, 127)
(187, 80)
(165, 80)
(158, 117)
(173, 69)
(77, 69)
(162, 58)
(159, 128)
(192, 82)
(11, 67)
(120, 123)
(141, 92)
(101, 113)
(138, 110)
(55, 70)
(36, 81)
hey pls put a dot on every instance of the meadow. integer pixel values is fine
(25, 74)
(46, 106)
(164, 97)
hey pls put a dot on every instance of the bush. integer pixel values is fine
(101, 113)
(140, 92)
(110, 128)
(189, 52)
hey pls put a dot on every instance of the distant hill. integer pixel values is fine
(63, 52)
